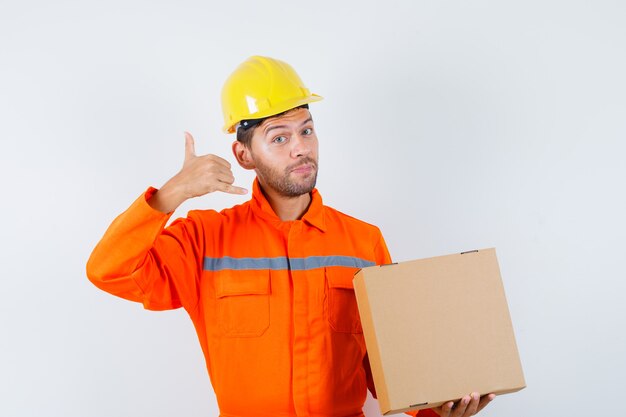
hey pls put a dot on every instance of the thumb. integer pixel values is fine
(190, 147)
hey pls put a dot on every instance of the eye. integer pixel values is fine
(279, 139)
(307, 131)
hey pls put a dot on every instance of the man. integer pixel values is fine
(268, 283)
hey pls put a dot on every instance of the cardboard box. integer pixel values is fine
(437, 329)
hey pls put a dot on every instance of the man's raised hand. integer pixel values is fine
(206, 173)
(199, 175)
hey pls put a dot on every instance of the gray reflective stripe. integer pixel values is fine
(312, 262)
(242, 264)
(282, 263)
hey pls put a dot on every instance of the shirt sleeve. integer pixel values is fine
(381, 252)
(138, 259)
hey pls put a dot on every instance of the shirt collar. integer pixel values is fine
(314, 215)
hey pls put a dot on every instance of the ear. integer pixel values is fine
(243, 155)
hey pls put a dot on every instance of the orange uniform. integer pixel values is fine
(272, 301)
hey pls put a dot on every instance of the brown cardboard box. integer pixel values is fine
(437, 329)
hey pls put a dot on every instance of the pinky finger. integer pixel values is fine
(232, 189)
(486, 399)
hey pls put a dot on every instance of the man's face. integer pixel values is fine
(285, 152)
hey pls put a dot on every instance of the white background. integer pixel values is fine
(452, 125)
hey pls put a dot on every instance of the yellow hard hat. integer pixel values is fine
(261, 87)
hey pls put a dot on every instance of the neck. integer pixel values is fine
(287, 208)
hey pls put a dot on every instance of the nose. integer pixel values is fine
(301, 146)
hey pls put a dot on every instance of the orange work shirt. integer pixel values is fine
(272, 301)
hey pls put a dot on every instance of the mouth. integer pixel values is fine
(304, 168)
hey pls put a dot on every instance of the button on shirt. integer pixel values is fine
(272, 301)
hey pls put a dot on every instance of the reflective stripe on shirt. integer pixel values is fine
(283, 263)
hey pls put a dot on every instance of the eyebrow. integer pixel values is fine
(310, 119)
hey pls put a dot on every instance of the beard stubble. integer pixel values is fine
(283, 184)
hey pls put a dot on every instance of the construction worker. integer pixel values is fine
(268, 283)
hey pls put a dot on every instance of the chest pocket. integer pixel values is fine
(341, 306)
(243, 302)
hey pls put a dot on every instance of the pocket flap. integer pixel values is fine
(229, 283)
(340, 277)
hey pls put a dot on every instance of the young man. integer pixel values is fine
(268, 283)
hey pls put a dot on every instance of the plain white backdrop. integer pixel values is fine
(452, 125)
